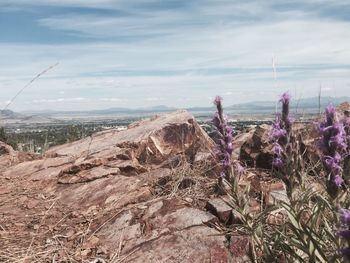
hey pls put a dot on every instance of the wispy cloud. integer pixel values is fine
(112, 99)
(60, 100)
(141, 53)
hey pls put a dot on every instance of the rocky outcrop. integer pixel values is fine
(102, 197)
(255, 148)
(146, 194)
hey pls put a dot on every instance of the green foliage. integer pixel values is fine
(39, 140)
(251, 225)
(309, 233)
(3, 135)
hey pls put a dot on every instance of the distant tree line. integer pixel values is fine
(40, 141)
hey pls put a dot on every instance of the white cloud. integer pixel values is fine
(74, 3)
(60, 100)
(112, 99)
(154, 99)
(178, 56)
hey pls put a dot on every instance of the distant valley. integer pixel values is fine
(243, 110)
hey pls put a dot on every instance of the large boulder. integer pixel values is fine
(98, 198)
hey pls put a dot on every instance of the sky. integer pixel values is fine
(179, 53)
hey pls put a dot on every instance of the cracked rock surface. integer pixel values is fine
(103, 197)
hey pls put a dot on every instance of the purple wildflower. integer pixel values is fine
(334, 147)
(345, 216)
(286, 120)
(277, 149)
(346, 124)
(240, 170)
(345, 232)
(223, 140)
(216, 120)
(276, 135)
(330, 112)
(286, 148)
(281, 129)
(218, 101)
(338, 180)
(278, 132)
(229, 148)
(339, 138)
(277, 162)
(346, 253)
(285, 98)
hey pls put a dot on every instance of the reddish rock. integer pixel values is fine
(256, 150)
(239, 247)
(196, 244)
(239, 140)
(220, 208)
(344, 108)
(5, 149)
(151, 141)
(166, 230)
(96, 197)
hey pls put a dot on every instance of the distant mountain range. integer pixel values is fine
(11, 117)
(302, 105)
(105, 113)
(9, 114)
(310, 105)
(305, 105)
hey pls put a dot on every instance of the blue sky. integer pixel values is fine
(180, 53)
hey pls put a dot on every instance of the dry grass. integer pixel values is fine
(193, 184)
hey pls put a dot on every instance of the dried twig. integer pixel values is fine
(29, 83)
